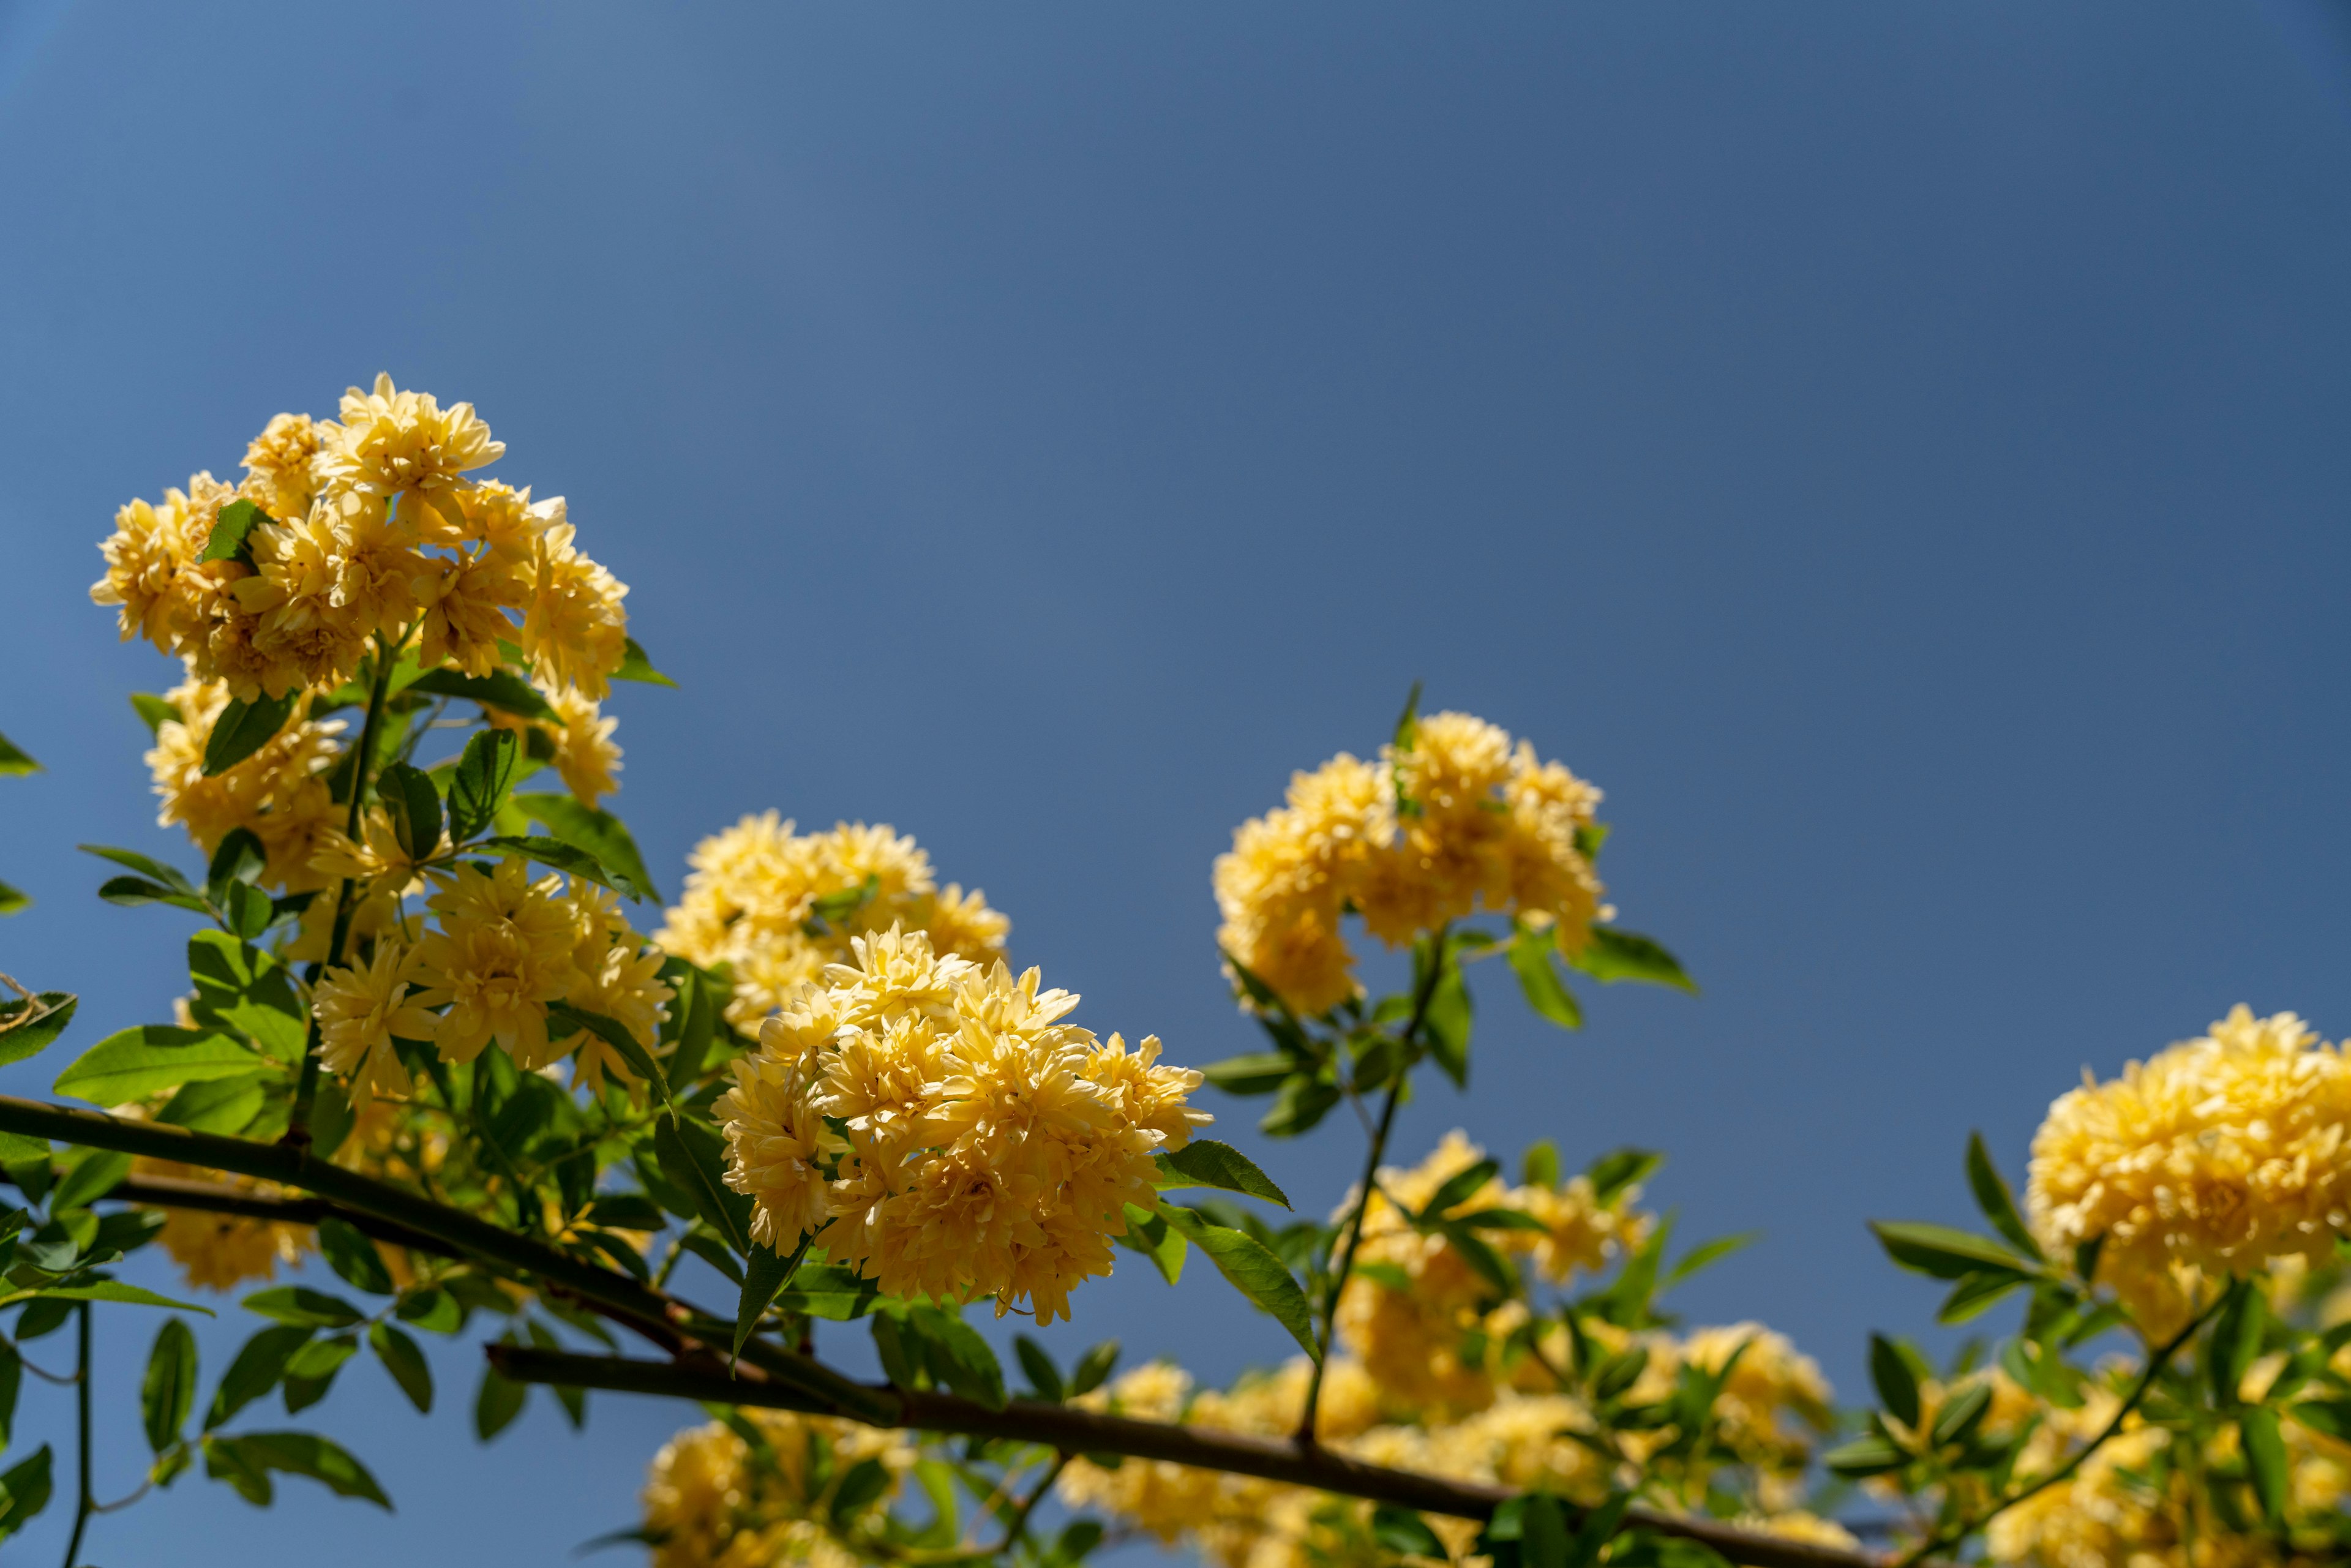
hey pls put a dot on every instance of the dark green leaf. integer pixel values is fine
(1539, 1166)
(694, 1157)
(958, 1356)
(302, 1307)
(478, 786)
(1459, 1188)
(635, 666)
(153, 710)
(2085, 1259)
(2265, 1458)
(413, 806)
(1599, 1527)
(238, 857)
(1707, 1253)
(303, 1453)
(1303, 1102)
(1612, 954)
(244, 728)
(1207, 1163)
(859, 1489)
(1262, 1073)
(1148, 1234)
(1254, 1272)
(496, 1404)
(599, 832)
(1941, 1252)
(50, 1010)
(115, 1290)
(1543, 1532)
(312, 1370)
(1405, 1532)
(25, 1492)
(1974, 1293)
(501, 689)
(405, 1362)
(1897, 1388)
(255, 1372)
(146, 866)
(130, 892)
(12, 1375)
(1446, 1023)
(566, 1020)
(432, 1310)
(228, 539)
(1620, 1169)
(1993, 1197)
(2236, 1341)
(569, 859)
(223, 1105)
(1961, 1414)
(1871, 1455)
(94, 1175)
(148, 1059)
(1408, 724)
(12, 900)
(1093, 1368)
(169, 1390)
(1044, 1377)
(239, 985)
(353, 1256)
(764, 1274)
(1546, 993)
(2328, 1417)
(696, 1012)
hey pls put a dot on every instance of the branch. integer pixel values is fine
(211, 1198)
(1080, 1431)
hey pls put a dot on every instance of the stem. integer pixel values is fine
(1422, 996)
(1016, 1531)
(84, 1499)
(306, 1090)
(2155, 1365)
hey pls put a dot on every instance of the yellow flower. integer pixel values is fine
(378, 857)
(2211, 1158)
(281, 779)
(585, 754)
(144, 558)
(502, 951)
(573, 629)
(620, 977)
(278, 467)
(222, 1251)
(708, 1505)
(776, 1141)
(360, 1009)
(395, 444)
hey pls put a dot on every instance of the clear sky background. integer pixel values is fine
(1898, 450)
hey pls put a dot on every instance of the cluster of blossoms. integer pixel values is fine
(2213, 1158)
(711, 1502)
(757, 896)
(935, 1126)
(1422, 1306)
(1455, 822)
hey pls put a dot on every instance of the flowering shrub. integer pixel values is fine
(427, 1045)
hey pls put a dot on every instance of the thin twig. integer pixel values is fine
(1017, 1529)
(83, 1499)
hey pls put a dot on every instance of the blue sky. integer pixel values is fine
(1897, 450)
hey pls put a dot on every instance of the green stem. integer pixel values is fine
(1422, 996)
(305, 1090)
(1016, 1531)
(84, 1497)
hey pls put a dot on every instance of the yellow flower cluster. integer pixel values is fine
(280, 792)
(1486, 826)
(501, 947)
(710, 1503)
(986, 1148)
(1413, 1336)
(221, 1251)
(2211, 1158)
(755, 894)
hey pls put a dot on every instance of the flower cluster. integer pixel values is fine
(1456, 820)
(712, 1503)
(1422, 1307)
(777, 906)
(280, 793)
(984, 1147)
(2211, 1158)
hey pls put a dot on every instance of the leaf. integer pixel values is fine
(413, 806)
(1148, 1234)
(2327, 1418)
(1610, 955)
(228, 539)
(113, 1291)
(244, 728)
(1600, 1527)
(353, 1256)
(1539, 1166)
(764, 1273)
(1447, 1021)
(1546, 993)
(1203, 1162)
(1619, 1169)
(1259, 1073)
(496, 1404)
(1975, 1293)
(303, 1453)
(1044, 1377)
(1941, 1252)
(51, 1011)
(600, 833)
(12, 1375)
(14, 760)
(635, 666)
(151, 1057)
(569, 859)
(130, 892)
(12, 900)
(1870, 1455)
(94, 1175)
(693, 1158)
(1897, 1387)
(312, 1370)
(1961, 1414)
(867, 1480)
(405, 1362)
(2265, 1457)
(223, 1105)
(259, 1363)
(1254, 1272)
(478, 786)
(2236, 1341)
(249, 989)
(302, 1307)
(568, 1020)
(1459, 1188)
(146, 866)
(1992, 1197)
(1707, 1253)
(501, 689)
(1543, 1532)
(696, 1011)
(169, 1390)
(153, 710)
(238, 857)
(1303, 1102)
(1405, 1532)
(25, 1489)
(1093, 1368)
(958, 1356)
(1408, 724)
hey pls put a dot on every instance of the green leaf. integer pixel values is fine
(1870, 1455)
(859, 1489)
(1543, 1532)
(405, 1362)
(50, 1011)
(2327, 1418)
(478, 786)
(1539, 1166)
(1447, 1021)
(169, 1390)
(1207, 1163)
(413, 806)
(1961, 1414)
(501, 689)
(303, 1453)
(495, 1403)
(1619, 1169)
(1459, 1188)
(1407, 724)
(353, 1256)
(1546, 993)
(312, 1370)
(1992, 1197)
(146, 866)
(238, 857)
(1148, 1234)
(12, 900)
(2265, 1457)
(694, 1157)
(228, 539)
(568, 1020)
(239, 985)
(223, 1105)
(25, 1492)
(1254, 1272)
(569, 859)
(1708, 1252)
(1093, 1368)
(1897, 1387)
(299, 1306)
(828, 1291)
(1303, 1102)
(12, 1375)
(764, 1273)
(259, 1363)
(1261, 1073)
(635, 666)
(2236, 1341)
(1405, 1532)
(244, 728)
(1974, 1293)
(1612, 954)
(94, 1175)
(1941, 1252)
(958, 1356)
(13, 759)
(600, 833)
(1044, 1377)
(696, 1011)
(130, 892)
(148, 1059)
(153, 710)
